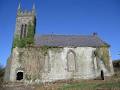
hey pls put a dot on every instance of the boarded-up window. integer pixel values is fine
(47, 64)
(71, 61)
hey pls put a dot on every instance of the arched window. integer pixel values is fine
(71, 63)
(47, 67)
(25, 28)
(21, 31)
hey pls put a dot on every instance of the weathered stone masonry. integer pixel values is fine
(57, 64)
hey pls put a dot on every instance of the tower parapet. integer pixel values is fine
(21, 12)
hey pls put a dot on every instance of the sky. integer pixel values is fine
(69, 17)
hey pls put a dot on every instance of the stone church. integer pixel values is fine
(48, 58)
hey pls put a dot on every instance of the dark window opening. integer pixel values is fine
(25, 28)
(102, 75)
(95, 53)
(19, 76)
(21, 33)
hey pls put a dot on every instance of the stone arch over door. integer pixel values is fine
(71, 61)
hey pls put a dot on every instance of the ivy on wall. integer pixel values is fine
(23, 42)
(30, 35)
(103, 54)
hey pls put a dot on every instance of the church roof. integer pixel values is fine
(69, 40)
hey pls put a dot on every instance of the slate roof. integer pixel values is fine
(69, 41)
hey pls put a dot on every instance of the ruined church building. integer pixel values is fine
(48, 58)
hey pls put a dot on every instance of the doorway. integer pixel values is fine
(102, 75)
(19, 76)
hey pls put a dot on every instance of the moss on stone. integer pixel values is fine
(45, 49)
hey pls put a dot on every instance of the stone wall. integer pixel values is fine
(20, 20)
(46, 65)
(7, 69)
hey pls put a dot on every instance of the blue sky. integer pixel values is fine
(64, 17)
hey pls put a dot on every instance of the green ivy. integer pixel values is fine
(103, 54)
(23, 42)
(30, 34)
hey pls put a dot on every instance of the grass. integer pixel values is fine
(93, 85)
(112, 83)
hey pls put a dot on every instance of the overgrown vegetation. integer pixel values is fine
(116, 65)
(103, 54)
(23, 42)
(86, 85)
(1, 74)
(112, 83)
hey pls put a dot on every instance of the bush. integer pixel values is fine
(1, 74)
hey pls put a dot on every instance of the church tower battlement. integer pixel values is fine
(21, 12)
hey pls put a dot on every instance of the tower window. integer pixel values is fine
(21, 32)
(25, 28)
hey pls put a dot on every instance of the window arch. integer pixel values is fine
(71, 62)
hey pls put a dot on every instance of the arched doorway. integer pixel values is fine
(102, 75)
(19, 75)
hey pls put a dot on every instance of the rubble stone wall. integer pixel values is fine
(53, 64)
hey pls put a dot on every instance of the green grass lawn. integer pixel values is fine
(92, 85)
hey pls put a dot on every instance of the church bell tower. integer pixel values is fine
(25, 27)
